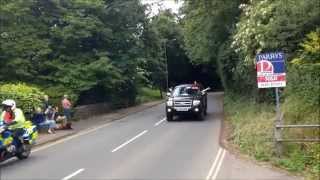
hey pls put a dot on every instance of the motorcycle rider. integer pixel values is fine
(13, 117)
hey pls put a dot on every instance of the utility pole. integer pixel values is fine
(166, 60)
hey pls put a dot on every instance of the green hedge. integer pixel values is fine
(302, 93)
(27, 97)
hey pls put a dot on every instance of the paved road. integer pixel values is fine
(141, 146)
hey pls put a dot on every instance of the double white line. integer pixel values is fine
(212, 175)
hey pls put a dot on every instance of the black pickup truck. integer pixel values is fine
(186, 99)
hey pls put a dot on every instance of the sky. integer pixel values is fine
(166, 4)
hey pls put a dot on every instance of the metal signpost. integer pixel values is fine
(271, 74)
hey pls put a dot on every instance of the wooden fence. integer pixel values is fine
(279, 126)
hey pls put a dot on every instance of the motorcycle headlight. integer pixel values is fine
(169, 103)
(196, 102)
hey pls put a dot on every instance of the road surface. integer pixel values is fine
(141, 146)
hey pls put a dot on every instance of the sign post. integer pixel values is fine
(271, 74)
(278, 121)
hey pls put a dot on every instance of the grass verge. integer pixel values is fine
(146, 94)
(252, 133)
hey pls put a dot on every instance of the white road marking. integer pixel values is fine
(71, 137)
(219, 165)
(214, 164)
(129, 141)
(73, 174)
(161, 121)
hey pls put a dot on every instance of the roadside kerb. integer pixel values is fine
(40, 143)
(115, 115)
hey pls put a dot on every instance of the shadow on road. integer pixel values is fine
(193, 118)
(14, 160)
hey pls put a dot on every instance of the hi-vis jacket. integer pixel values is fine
(18, 118)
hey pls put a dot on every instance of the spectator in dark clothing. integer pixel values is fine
(39, 119)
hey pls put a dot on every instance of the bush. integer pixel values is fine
(27, 97)
(302, 93)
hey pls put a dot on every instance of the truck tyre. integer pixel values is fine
(205, 110)
(201, 115)
(169, 117)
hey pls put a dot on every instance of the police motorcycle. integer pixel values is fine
(19, 146)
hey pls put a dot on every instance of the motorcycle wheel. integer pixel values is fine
(24, 152)
(2, 156)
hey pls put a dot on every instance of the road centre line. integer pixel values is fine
(214, 164)
(81, 133)
(73, 174)
(129, 141)
(219, 165)
(161, 121)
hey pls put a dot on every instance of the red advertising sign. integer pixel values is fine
(271, 70)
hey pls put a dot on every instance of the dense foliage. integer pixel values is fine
(74, 46)
(302, 93)
(229, 34)
(267, 26)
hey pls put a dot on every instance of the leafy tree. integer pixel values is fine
(207, 27)
(271, 26)
(166, 46)
(154, 65)
(310, 53)
(73, 45)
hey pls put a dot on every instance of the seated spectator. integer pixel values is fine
(62, 120)
(50, 113)
(39, 119)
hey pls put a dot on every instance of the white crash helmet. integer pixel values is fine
(9, 102)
